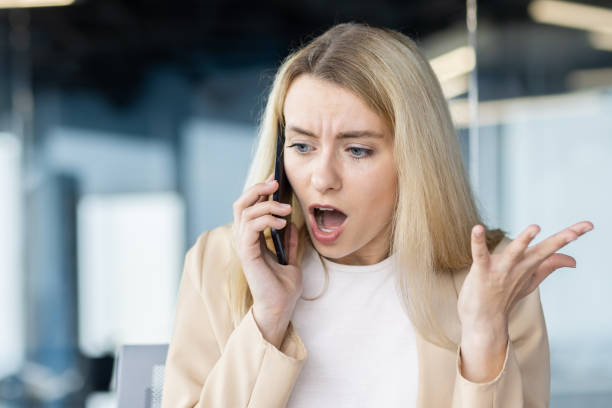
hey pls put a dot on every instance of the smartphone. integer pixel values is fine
(283, 195)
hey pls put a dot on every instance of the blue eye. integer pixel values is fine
(358, 153)
(298, 145)
(366, 152)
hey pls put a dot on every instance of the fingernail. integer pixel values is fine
(285, 205)
(271, 182)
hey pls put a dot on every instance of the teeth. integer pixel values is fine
(318, 219)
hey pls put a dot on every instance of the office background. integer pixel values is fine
(126, 130)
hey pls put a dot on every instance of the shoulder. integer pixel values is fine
(206, 261)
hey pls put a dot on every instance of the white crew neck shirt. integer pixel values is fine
(361, 344)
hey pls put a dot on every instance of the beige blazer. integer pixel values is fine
(213, 364)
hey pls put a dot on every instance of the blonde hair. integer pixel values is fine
(434, 209)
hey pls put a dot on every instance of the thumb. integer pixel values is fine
(480, 252)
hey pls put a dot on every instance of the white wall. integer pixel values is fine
(110, 163)
(131, 234)
(216, 157)
(11, 272)
(555, 169)
(130, 251)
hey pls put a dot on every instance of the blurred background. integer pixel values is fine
(127, 127)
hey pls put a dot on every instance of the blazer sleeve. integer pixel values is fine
(204, 367)
(524, 380)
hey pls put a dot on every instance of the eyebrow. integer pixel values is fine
(342, 135)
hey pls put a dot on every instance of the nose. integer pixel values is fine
(325, 175)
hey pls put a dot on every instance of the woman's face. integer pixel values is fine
(339, 153)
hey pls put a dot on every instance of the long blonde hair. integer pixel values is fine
(435, 209)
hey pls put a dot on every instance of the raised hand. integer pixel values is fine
(495, 283)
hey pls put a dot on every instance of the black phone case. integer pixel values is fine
(282, 195)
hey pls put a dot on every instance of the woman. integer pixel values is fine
(395, 294)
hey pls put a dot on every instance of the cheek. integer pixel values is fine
(290, 169)
(295, 173)
(375, 191)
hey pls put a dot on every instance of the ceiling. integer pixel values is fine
(108, 45)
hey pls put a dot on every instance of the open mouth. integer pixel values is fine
(328, 219)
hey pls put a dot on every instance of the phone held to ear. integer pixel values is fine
(282, 195)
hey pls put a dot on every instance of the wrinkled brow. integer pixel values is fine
(353, 134)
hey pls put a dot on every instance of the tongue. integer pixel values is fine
(332, 219)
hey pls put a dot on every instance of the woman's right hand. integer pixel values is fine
(275, 288)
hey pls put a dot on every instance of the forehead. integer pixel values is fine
(315, 103)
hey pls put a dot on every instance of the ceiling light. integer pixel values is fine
(4, 4)
(455, 86)
(601, 41)
(526, 108)
(574, 15)
(454, 63)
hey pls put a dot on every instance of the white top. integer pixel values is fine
(361, 345)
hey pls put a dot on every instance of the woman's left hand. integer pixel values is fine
(495, 283)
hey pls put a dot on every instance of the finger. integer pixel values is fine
(548, 266)
(259, 224)
(265, 197)
(263, 208)
(265, 251)
(251, 196)
(515, 251)
(261, 199)
(538, 253)
(480, 252)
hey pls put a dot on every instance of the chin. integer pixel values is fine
(328, 251)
